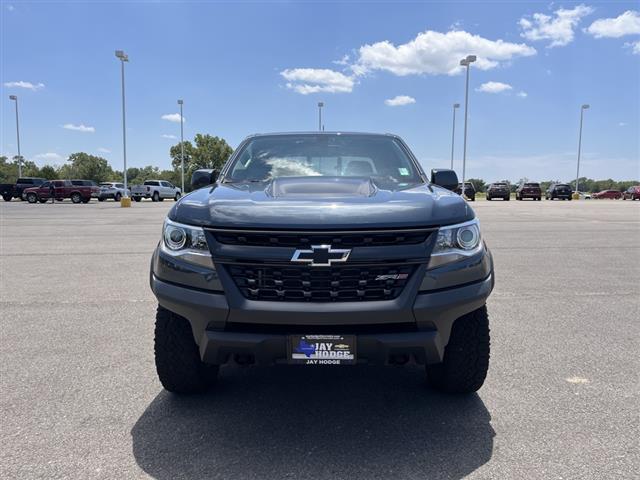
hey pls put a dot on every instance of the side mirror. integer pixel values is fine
(444, 178)
(203, 177)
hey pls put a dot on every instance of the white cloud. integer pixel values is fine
(628, 23)
(79, 128)
(635, 47)
(622, 124)
(559, 27)
(23, 84)
(167, 135)
(436, 53)
(343, 61)
(400, 100)
(49, 156)
(11, 8)
(315, 80)
(104, 150)
(173, 117)
(522, 94)
(494, 87)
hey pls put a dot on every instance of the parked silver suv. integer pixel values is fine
(113, 190)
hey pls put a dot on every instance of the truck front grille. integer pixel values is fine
(324, 284)
(336, 239)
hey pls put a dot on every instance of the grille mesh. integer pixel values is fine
(330, 284)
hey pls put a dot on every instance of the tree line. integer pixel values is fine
(206, 151)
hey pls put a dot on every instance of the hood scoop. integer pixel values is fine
(319, 187)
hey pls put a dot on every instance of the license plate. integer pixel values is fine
(322, 349)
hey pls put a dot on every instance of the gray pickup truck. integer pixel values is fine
(156, 190)
(322, 249)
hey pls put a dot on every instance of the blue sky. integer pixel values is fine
(253, 67)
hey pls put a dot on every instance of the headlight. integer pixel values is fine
(456, 242)
(186, 242)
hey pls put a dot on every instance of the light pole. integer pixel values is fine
(124, 58)
(582, 109)
(466, 62)
(320, 105)
(15, 99)
(180, 102)
(453, 131)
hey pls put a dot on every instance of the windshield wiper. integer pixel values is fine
(252, 180)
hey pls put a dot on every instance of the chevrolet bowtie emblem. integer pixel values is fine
(321, 256)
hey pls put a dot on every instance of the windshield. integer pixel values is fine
(378, 157)
(531, 184)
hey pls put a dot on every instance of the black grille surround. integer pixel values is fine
(294, 283)
(338, 239)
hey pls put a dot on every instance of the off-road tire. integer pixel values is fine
(32, 198)
(178, 363)
(488, 198)
(6, 198)
(117, 197)
(137, 199)
(155, 197)
(466, 357)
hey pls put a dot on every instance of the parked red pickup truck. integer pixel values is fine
(59, 189)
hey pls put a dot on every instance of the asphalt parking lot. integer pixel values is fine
(80, 398)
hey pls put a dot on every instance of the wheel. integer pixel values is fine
(76, 198)
(539, 199)
(177, 197)
(6, 198)
(32, 198)
(488, 198)
(86, 200)
(472, 199)
(155, 197)
(137, 199)
(178, 363)
(569, 199)
(506, 199)
(161, 199)
(466, 357)
(117, 197)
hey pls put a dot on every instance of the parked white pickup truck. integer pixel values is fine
(156, 190)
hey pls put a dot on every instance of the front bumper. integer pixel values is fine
(416, 325)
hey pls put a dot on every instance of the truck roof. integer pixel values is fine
(333, 132)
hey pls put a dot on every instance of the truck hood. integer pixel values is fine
(320, 203)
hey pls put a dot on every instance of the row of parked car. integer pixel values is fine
(532, 190)
(41, 190)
